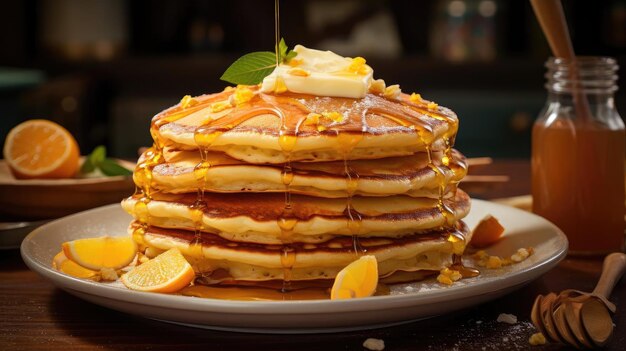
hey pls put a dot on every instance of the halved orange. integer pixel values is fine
(40, 148)
(358, 279)
(102, 252)
(166, 273)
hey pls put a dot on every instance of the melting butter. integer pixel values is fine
(321, 73)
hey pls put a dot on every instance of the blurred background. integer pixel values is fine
(103, 68)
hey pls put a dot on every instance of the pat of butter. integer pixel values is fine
(321, 73)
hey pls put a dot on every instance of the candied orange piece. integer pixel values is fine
(487, 232)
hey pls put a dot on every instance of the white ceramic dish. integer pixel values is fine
(407, 302)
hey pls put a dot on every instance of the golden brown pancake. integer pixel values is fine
(255, 217)
(274, 128)
(256, 262)
(410, 175)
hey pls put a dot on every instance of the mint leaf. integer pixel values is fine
(97, 160)
(282, 50)
(87, 166)
(250, 69)
(93, 159)
(291, 54)
(98, 155)
(112, 168)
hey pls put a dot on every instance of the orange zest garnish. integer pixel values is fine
(41, 149)
(487, 232)
(358, 279)
(168, 272)
(102, 252)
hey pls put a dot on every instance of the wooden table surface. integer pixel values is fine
(35, 315)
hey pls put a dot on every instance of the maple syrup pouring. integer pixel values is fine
(287, 141)
(154, 156)
(207, 134)
(444, 181)
(347, 142)
(287, 221)
(277, 29)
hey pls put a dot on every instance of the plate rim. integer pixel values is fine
(284, 307)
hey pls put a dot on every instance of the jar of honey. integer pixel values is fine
(578, 151)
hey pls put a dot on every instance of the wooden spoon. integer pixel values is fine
(594, 313)
(578, 318)
(583, 319)
(572, 320)
(535, 316)
(596, 321)
(562, 326)
(547, 318)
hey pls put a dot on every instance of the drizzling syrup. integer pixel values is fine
(291, 112)
(347, 143)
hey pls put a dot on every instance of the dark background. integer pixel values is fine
(103, 68)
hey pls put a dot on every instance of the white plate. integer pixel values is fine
(407, 302)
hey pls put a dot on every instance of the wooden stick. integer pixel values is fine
(486, 179)
(612, 270)
(479, 161)
(523, 202)
(552, 20)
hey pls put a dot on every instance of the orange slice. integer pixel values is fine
(62, 264)
(487, 232)
(166, 273)
(102, 252)
(41, 149)
(358, 279)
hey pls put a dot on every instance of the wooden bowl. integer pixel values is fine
(34, 199)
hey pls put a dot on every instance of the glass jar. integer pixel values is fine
(578, 151)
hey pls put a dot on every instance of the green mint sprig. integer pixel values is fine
(250, 69)
(98, 160)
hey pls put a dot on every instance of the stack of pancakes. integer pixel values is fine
(291, 187)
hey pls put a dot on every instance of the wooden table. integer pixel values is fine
(34, 315)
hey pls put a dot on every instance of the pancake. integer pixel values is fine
(410, 175)
(222, 259)
(264, 184)
(255, 217)
(278, 128)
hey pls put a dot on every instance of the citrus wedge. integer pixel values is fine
(102, 252)
(64, 265)
(487, 232)
(41, 149)
(358, 279)
(168, 272)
